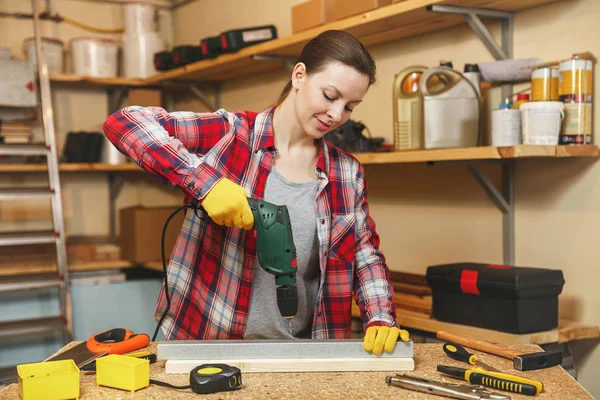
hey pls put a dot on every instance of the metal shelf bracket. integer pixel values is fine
(205, 99)
(504, 199)
(288, 61)
(502, 51)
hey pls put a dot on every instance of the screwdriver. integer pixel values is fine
(459, 353)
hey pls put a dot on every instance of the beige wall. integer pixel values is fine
(435, 214)
(425, 214)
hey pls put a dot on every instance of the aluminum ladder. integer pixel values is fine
(58, 281)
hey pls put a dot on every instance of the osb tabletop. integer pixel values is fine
(558, 384)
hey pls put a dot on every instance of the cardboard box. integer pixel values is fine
(348, 8)
(145, 97)
(141, 230)
(311, 14)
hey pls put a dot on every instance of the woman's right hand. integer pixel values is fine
(227, 204)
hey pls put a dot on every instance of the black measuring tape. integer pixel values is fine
(210, 378)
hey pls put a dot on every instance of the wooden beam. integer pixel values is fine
(365, 364)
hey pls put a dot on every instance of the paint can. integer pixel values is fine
(139, 18)
(53, 51)
(544, 84)
(541, 122)
(96, 57)
(576, 92)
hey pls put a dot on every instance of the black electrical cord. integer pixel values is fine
(190, 205)
(165, 384)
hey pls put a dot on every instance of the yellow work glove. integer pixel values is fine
(378, 338)
(227, 204)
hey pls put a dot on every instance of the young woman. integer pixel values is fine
(217, 289)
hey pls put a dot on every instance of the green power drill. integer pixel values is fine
(276, 251)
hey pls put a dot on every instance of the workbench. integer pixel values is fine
(558, 384)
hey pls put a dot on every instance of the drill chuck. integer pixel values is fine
(287, 300)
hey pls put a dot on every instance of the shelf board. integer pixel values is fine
(33, 268)
(72, 167)
(394, 157)
(88, 81)
(478, 153)
(383, 25)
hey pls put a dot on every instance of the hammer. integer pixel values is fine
(521, 362)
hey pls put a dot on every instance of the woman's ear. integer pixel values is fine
(298, 75)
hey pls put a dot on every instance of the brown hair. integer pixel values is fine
(331, 46)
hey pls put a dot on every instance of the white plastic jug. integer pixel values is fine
(451, 109)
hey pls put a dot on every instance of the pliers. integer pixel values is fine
(466, 392)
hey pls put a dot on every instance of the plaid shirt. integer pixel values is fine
(211, 267)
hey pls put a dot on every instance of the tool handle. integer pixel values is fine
(511, 385)
(117, 341)
(479, 345)
(459, 353)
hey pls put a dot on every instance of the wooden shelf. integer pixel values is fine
(566, 331)
(394, 157)
(32, 268)
(72, 167)
(88, 81)
(478, 153)
(383, 25)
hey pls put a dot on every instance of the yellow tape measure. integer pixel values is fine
(213, 378)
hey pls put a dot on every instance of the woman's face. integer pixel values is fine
(325, 100)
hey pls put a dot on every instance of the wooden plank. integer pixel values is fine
(422, 304)
(577, 151)
(98, 167)
(523, 150)
(394, 157)
(408, 278)
(415, 156)
(366, 364)
(571, 330)
(383, 25)
(88, 81)
(417, 290)
(71, 167)
(410, 319)
(32, 268)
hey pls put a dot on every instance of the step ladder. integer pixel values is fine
(61, 323)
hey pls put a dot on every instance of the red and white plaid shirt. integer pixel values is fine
(211, 267)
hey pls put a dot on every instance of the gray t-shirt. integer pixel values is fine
(264, 319)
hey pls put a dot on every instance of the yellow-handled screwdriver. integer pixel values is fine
(459, 353)
(498, 380)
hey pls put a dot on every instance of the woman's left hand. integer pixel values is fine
(379, 338)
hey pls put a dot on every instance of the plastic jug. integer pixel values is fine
(452, 108)
(408, 109)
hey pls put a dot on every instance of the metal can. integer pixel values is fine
(576, 92)
(544, 84)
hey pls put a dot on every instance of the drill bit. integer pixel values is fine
(289, 320)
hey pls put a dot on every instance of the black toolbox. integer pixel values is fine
(499, 297)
